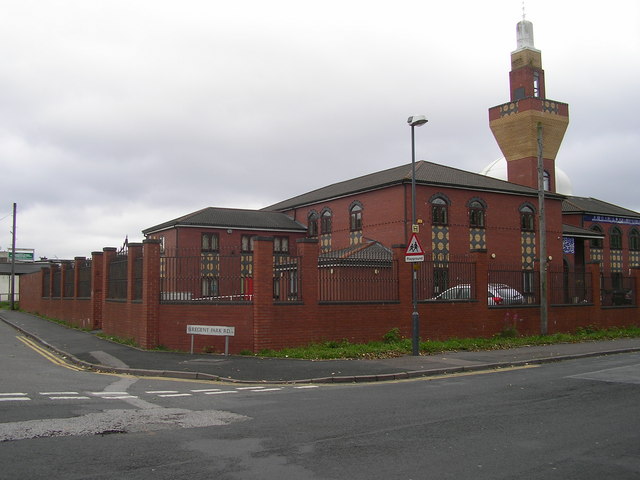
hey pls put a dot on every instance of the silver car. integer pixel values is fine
(497, 294)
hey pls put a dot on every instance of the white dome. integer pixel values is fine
(498, 169)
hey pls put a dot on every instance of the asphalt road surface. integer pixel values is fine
(573, 419)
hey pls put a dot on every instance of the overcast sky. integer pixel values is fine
(117, 115)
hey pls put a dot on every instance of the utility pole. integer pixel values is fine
(12, 286)
(542, 228)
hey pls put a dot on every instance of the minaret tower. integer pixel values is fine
(515, 124)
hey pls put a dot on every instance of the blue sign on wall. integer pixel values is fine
(608, 219)
(568, 245)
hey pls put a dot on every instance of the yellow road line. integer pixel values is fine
(48, 355)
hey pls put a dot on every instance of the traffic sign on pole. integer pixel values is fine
(414, 252)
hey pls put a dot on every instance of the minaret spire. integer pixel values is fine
(515, 123)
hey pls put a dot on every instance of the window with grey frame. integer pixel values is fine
(439, 211)
(596, 242)
(634, 240)
(312, 225)
(247, 243)
(476, 214)
(527, 219)
(355, 217)
(615, 239)
(209, 242)
(325, 222)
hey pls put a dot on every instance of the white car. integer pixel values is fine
(497, 294)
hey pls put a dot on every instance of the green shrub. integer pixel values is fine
(392, 336)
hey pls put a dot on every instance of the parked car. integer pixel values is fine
(621, 297)
(497, 294)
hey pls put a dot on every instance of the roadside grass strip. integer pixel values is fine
(53, 358)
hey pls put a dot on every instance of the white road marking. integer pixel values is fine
(107, 394)
(58, 393)
(123, 395)
(78, 397)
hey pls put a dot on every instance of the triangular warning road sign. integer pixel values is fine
(414, 248)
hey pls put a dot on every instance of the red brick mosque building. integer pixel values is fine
(329, 263)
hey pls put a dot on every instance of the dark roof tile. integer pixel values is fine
(589, 205)
(232, 218)
(427, 173)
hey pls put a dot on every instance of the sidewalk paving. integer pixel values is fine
(88, 350)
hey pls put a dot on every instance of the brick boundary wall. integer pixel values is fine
(264, 324)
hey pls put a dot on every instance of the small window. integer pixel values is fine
(247, 243)
(536, 84)
(325, 222)
(476, 214)
(280, 244)
(439, 214)
(355, 216)
(546, 181)
(162, 243)
(528, 282)
(209, 242)
(615, 239)
(634, 240)
(527, 221)
(312, 225)
(210, 287)
(596, 242)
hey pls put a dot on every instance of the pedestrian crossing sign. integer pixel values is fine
(414, 252)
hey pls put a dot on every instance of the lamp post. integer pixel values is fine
(414, 121)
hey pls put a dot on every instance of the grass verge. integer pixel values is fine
(395, 347)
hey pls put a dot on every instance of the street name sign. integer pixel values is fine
(211, 330)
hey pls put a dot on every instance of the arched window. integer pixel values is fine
(312, 224)
(546, 181)
(476, 214)
(527, 220)
(325, 222)
(439, 211)
(634, 240)
(355, 217)
(615, 238)
(596, 242)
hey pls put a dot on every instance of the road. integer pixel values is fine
(573, 419)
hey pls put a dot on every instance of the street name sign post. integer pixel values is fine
(220, 331)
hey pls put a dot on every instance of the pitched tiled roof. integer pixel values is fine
(578, 232)
(427, 173)
(588, 205)
(232, 218)
(370, 252)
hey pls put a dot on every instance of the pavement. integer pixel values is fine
(89, 351)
